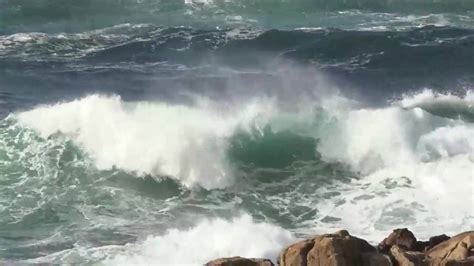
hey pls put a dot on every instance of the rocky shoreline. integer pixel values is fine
(342, 249)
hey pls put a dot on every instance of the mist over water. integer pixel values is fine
(132, 131)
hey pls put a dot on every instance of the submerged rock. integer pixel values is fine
(239, 261)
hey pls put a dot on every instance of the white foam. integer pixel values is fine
(209, 240)
(428, 96)
(181, 142)
(428, 198)
(446, 142)
(417, 170)
(371, 139)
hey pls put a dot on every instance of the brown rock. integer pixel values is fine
(454, 250)
(296, 254)
(401, 237)
(338, 249)
(239, 261)
(465, 262)
(407, 258)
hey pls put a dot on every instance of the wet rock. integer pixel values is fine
(239, 261)
(403, 257)
(453, 251)
(401, 237)
(338, 249)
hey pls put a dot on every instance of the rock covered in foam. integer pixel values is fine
(338, 249)
(239, 261)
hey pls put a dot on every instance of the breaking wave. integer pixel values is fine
(405, 162)
(193, 143)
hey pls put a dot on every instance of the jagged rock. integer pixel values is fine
(400, 237)
(454, 250)
(239, 261)
(338, 249)
(433, 241)
(407, 258)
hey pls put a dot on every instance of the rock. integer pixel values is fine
(465, 262)
(401, 237)
(338, 249)
(454, 250)
(296, 254)
(407, 258)
(433, 241)
(239, 261)
(376, 259)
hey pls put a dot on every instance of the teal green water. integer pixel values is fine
(54, 199)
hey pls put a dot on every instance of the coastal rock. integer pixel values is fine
(338, 249)
(401, 237)
(456, 250)
(239, 261)
(465, 262)
(376, 259)
(433, 241)
(296, 254)
(407, 258)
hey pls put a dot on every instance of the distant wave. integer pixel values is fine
(56, 15)
(146, 43)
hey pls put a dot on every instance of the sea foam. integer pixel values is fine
(181, 142)
(208, 240)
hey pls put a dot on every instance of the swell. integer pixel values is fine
(153, 59)
(68, 15)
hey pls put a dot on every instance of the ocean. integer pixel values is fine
(179, 131)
